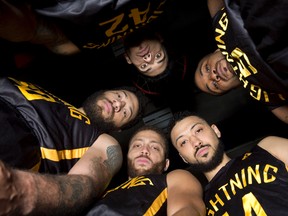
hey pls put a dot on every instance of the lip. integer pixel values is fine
(142, 160)
(202, 151)
(107, 106)
(223, 70)
(143, 51)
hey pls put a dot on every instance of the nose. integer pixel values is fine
(214, 75)
(144, 150)
(195, 141)
(148, 57)
(118, 105)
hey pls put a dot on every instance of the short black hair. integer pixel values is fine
(180, 115)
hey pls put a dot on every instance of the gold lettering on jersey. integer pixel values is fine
(259, 174)
(32, 92)
(134, 182)
(241, 64)
(223, 22)
(116, 28)
(74, 112)
(114, 23)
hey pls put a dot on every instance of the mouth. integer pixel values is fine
(223, 71)
(202, 151)
(107, 106)
(142, 160)
(144, 49)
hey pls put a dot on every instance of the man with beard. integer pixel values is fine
(42, 133)
(38, 126)
(149, 190)
(245, 185)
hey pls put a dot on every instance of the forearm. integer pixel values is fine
(26, 193)
(20, 23)
(51, 36)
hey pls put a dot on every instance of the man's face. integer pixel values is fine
(214, 75)
(198, 143)
(112, 109)
(149, 57)
(146, 154)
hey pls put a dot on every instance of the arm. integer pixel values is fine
(23, 192)
(277, 146)
(184, 194)
(281, 113)
(214, 6)
(19, 23)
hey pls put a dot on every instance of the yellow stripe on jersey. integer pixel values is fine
(54, 155)
(156, 205)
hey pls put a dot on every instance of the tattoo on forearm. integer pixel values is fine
(114, 155)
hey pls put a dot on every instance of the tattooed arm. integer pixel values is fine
(23, 192)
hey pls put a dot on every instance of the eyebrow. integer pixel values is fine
(190, 130)
(158, 62)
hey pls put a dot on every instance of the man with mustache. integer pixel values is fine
(245, 185)
(151, 190)
(42, 133)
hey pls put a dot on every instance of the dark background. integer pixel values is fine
(186, 26)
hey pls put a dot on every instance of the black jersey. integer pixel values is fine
(256, 48)
(254, 184)
(139, 196)
(63, 133)
(94, 24)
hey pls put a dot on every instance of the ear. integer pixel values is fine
(167, 165)
(216, 130)
(183, 158)
(127, 58)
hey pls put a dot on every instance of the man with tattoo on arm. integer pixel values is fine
(42, 133)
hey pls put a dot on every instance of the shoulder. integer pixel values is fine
(276, 146)
(182, 178)
(105, 140)
(272, 142)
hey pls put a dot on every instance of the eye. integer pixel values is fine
(199, 130)
(215, 84)
(136, 145)
(158, 55)
(183, 142)
(156, 148)
(207, 68)
(125, 113)
(118, 96)
(143, 66)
